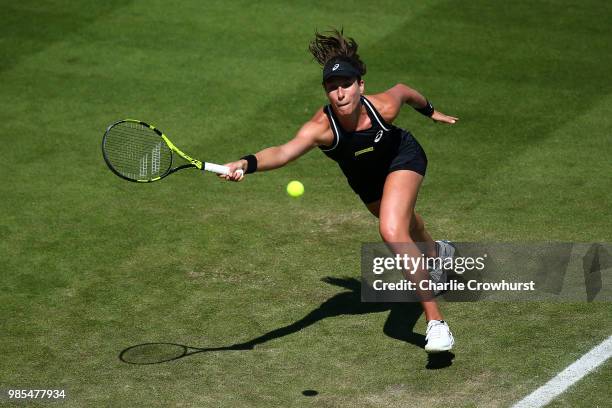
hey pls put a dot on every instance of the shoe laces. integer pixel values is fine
(435, 329)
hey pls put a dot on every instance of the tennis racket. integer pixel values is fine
(137, 151)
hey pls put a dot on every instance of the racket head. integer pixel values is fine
(136, 151)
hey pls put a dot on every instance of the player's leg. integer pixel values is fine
(419, 234)
(417, 231)
(442, 249)
(396, 215)
(428, 246)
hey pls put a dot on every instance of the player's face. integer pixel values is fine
(344, 93)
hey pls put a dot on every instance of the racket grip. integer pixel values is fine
(217, 168)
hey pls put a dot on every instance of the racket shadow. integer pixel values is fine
(399, 325)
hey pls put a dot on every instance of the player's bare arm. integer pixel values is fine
(391, 101)
(313, 133)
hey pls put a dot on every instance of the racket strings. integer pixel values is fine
(137, 151)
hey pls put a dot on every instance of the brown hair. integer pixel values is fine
(335, 46)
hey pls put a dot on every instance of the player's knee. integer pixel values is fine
(392, 232)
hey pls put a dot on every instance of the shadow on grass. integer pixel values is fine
(399, 325)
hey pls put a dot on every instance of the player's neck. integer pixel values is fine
(351, 122)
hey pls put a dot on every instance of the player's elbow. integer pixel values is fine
(405, 90)
(402, 88)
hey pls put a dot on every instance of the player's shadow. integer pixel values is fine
(399, 325)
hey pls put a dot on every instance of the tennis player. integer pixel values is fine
(383, 164)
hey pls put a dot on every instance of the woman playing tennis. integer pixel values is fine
(383, 164)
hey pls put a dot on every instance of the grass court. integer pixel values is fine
(93, 265)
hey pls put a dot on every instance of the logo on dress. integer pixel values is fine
(336, 67)
(378, 136)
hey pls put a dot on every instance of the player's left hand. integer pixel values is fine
(440, 117)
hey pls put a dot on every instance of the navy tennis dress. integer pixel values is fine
(366, 157)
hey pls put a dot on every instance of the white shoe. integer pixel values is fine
(439, 337)
(445, 250)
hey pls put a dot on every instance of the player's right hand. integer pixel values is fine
(237, 170)
(442, 118)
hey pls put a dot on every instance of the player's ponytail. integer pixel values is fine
(334, 45)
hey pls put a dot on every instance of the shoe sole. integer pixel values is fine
(438, 350)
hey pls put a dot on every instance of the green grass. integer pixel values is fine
(93, 265)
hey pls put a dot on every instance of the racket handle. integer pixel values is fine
(217, 168)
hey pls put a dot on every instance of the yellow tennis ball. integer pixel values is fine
(295, 188)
